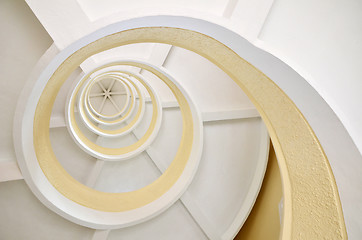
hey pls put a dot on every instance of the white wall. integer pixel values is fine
(98, 9)
(24, 217)
(324, 38)
(23, 40)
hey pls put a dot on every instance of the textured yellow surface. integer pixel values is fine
(312, 206)
(263, 221)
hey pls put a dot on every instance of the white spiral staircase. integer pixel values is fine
(141, 141)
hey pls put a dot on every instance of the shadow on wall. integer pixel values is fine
(264, 221)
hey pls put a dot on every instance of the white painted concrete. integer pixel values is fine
(97, 10)
(169, 225)
(65, 15)
(212, 89)
(324, 39)
(24, 217)
(230, 114)
(9, 171)
(249, 17)
(229, 164)
(77, 163)
(23, 41)
(100, 234)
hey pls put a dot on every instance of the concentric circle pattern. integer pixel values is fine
(109, 93)
(129, 106)
(94, 121)
(85, 116)
(113, 101)
(120, 99)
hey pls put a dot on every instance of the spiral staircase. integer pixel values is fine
(166, 120)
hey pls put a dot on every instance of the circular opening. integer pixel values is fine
(108, 97)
